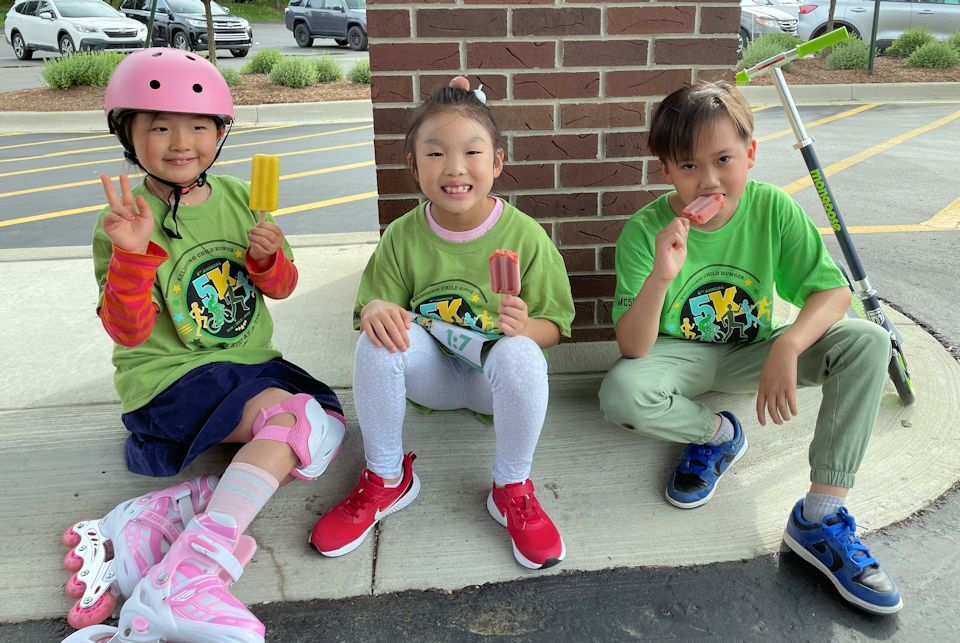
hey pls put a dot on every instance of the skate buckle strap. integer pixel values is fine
(219, 555)
(185, 505)
(160, 522)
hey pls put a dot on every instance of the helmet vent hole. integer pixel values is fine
(154, 84)
(157, 55)
(189, 57)
(197, 87)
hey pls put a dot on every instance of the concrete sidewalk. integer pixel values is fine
(61, 457)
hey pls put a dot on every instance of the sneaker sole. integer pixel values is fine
(801, 551)
(706, 499)
(401, 502)
(523, 560)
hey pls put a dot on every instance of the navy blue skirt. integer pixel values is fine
(203, 407)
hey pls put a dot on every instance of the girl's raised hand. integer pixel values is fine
(129, 224)
(265, 240)
(386, 325)
(512, 315)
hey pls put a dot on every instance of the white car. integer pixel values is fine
(758, 17)
(68, 26)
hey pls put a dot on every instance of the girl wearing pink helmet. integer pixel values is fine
(183, 267)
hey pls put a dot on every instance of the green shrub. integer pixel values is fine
(263, 61)
(81, 69)
(328, 69)
(954, 41)
(293, 71)
(768, 45)
(232, 77)
(849, 54)
(909, 41)
(938, 55)
(360, 73)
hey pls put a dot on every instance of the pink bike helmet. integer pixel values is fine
(167, 80)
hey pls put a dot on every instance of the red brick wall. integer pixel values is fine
(571, 85)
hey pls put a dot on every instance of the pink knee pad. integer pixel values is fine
(315, 437)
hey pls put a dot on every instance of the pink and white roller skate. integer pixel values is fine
(109, 556)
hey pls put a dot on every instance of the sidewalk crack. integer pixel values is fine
(376, 549)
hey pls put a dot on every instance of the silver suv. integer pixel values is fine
(942, 17)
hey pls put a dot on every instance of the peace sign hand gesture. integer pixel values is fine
(129, 224)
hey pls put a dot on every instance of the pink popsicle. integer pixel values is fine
(704, 208)
(505, 272)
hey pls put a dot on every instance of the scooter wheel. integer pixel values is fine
(900, 375)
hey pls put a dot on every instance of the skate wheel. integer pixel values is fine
(75, 587)
(70, 538)
(80, 617)
(72, 562)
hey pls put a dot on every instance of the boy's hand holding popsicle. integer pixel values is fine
(265, 238)
(505, 280)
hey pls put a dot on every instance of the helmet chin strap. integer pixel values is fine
(177, 190)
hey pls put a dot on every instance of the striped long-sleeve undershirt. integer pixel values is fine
(128, 312)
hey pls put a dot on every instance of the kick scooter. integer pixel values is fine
(866, 304)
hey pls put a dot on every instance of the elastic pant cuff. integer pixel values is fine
(833, 478)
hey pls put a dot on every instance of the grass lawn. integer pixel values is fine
(255, 10)
(4, 8)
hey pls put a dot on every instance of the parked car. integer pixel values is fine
(757, 19)
(791, 7)
(343, 20)
(183, 24)
(68, 26)
(942, 17)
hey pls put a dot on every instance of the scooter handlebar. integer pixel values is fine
(807, 48)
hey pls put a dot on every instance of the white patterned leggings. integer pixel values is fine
(512, 387)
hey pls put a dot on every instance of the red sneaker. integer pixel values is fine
(536, 542)
(343, 528)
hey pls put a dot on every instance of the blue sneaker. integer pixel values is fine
(701, 466)
(833, 547)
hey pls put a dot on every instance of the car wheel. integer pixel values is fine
(66, 45)
(850, 30)
(239, 53)
(20, 48)
(743, 39)
(342, 43)
(357, 39)
(180, 41)
(301, 33)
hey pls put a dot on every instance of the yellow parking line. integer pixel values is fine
(97, 208)
(322, 204)
(116, 145)
(75, 184)
(822, 121)
(947, 219)
(839, 166)
(113, 160)
(243, 130)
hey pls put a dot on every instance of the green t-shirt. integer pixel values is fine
(415, 268)
(210, 310)
(724, 292)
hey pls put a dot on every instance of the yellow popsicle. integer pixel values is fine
(265, 183)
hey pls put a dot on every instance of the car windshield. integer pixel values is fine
(357, 4)
(193, 6)
(86, 9)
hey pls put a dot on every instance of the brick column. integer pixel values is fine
(571, 85)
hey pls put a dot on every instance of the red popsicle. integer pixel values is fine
(505, 272)
(703, 208)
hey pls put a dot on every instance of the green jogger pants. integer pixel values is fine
(652, 395)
